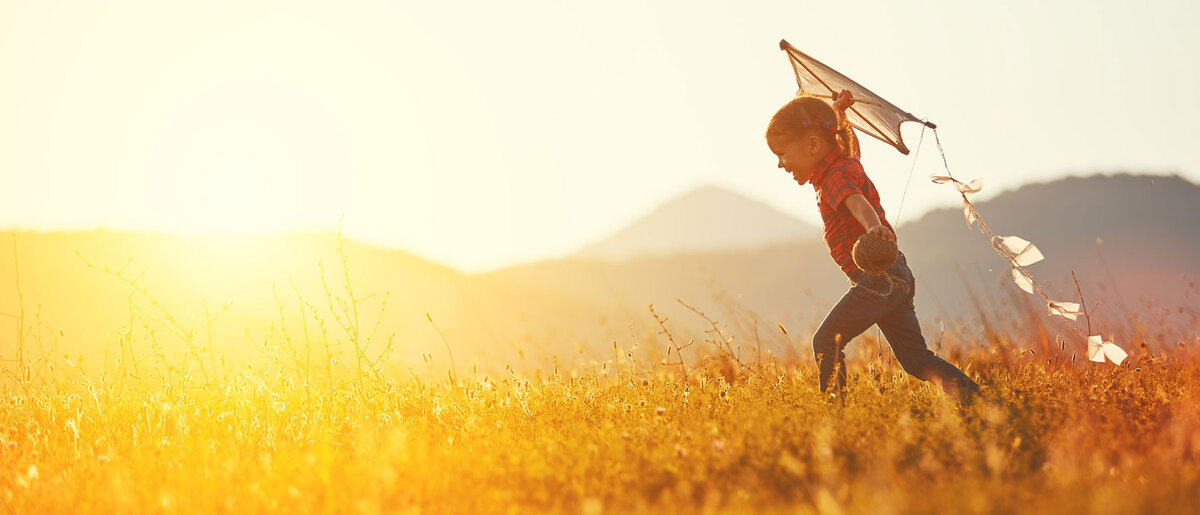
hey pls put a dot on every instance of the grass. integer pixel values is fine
(1044, 436)
(320, 424)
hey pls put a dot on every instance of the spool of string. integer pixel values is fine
(874, 255)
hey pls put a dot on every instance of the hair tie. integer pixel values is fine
(831, 126)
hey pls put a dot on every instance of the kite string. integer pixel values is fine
(908, 182)
(904, 194)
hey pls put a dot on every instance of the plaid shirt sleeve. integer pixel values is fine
(842, 182)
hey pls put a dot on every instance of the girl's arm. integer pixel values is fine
(842, 102)
(867, 217)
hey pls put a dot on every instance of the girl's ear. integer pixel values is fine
(815, 143)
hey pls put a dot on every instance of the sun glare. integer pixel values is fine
(235, 196)
(230, 176)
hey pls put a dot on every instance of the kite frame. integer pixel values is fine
(874, 131)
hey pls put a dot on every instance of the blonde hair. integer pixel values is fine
(804, 114)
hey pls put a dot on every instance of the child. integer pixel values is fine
(814, 145)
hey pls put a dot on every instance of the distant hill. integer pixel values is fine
(1131, 239)
(264, 281)
(706, 219)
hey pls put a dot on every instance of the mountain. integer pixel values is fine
(1131, 240)
(706, 219)
(91, 293)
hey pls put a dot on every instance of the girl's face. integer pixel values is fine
(799, 155)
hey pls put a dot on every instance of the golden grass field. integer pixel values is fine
(322, 424)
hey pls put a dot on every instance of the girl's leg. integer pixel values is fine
(858, 310)
(903, 333)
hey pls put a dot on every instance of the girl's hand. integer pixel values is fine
(882, 231)
(843, 100)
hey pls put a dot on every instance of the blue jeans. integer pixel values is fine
(888, 302)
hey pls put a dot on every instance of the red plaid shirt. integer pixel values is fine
(836, 178)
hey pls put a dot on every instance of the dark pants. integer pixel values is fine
(888, 302)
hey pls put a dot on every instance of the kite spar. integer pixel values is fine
(870, 113)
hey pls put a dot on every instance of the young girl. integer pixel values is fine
(815, 145)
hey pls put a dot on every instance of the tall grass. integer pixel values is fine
(322, 423)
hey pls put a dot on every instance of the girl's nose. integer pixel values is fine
(780, 164)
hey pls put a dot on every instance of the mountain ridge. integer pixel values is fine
(705, 219)
(1130, 240)
(1128, 237)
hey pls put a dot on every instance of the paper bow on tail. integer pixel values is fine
(1099, 350)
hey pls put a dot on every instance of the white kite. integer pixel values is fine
(870, 113)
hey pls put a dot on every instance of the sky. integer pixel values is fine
(484, 134)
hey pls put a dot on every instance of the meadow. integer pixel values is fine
(695, 418)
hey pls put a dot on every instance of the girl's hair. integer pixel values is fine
(804, 114)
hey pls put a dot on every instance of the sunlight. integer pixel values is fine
(234, 196)
(230, 176)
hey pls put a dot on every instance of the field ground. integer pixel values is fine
(1048, 434)
(325, 422)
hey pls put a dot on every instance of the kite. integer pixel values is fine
(870, 113)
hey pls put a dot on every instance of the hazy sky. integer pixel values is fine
(487, 133)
